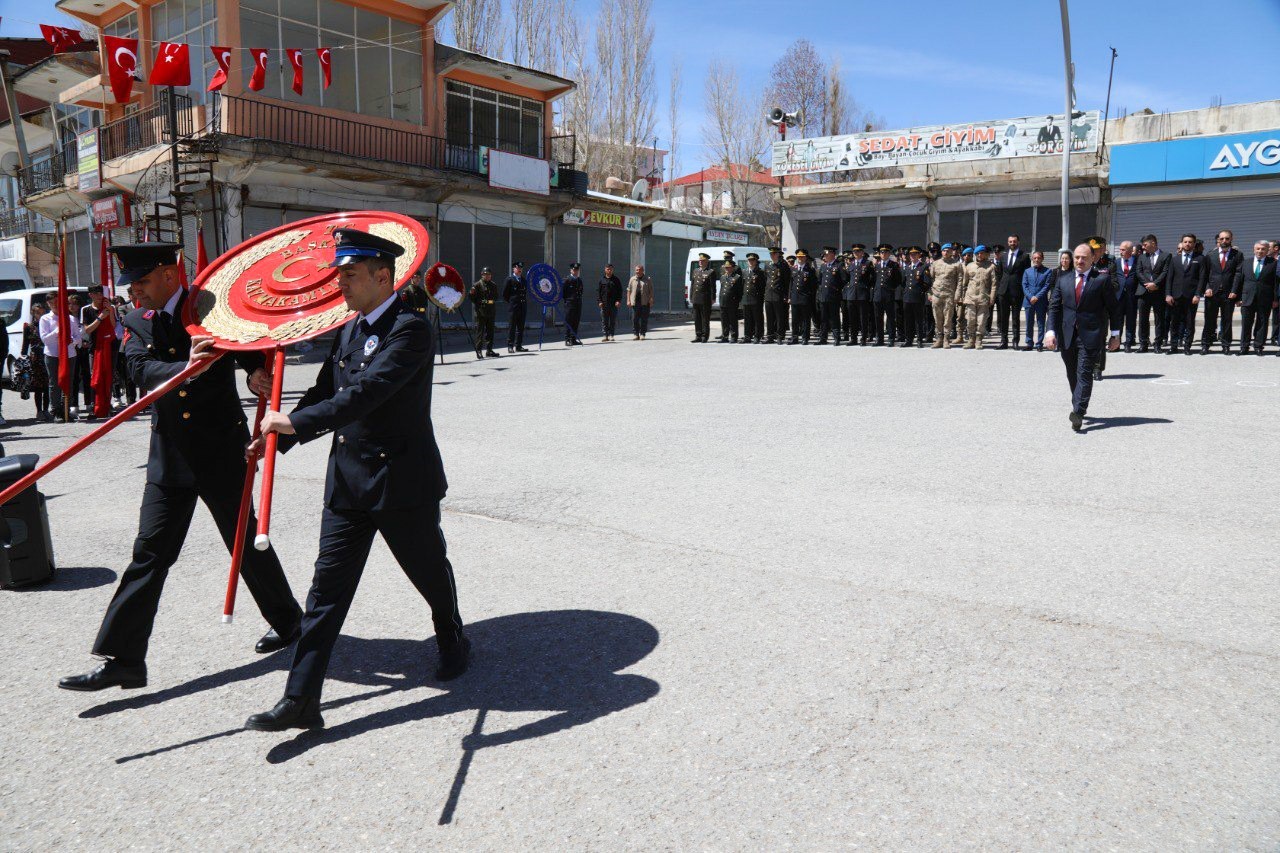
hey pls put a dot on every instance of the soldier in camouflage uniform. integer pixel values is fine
(980, 283)
(946, 273)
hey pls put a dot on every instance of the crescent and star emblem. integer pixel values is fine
(324, 57)
(129, 53)
(279, 275)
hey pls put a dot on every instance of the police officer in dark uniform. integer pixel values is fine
(702, 294)
(830, 288)
(515, 292)
(484, 301)
(198, 436)
(754, 282)
(916, 283)
(888, 280)
(857, 295)
(804, 289)
(730, 295)
(776, 293)
(373, 393)
(572, 305)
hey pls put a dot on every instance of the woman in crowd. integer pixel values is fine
(33, 349)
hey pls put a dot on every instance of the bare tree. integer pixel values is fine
(674, 129)
(477, 26)
(798, 81)
(624, 114)
(735, 133)
(536, 28)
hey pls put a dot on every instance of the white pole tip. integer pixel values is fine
(262, 542)
(226, 618)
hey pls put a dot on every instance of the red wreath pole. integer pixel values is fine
(115, 421)
(242, 520)
(263, 540)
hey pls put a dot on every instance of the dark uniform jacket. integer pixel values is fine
(515, 291)
(573, 290)
(730, 287)
(858, 277)
(916, 282)
(198, 427)
(415, 296)
(778, 288)
(830, 281)
(609, 291)
(702, 285)
(888, 279)
(804, 285)
(375, 397)
(484, 296)
(1186, 281)
(754, 282)
(1223, 282)
(1107, 264)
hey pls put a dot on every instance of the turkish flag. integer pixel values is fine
(295, 59)
(202, 257)
(222, 56)
(326, 64)
(259, 78)
(122, 65)
(62, 38)
(173, 65)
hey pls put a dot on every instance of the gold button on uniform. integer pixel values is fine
(186, 416)
(182, 393)
(172, 351)
(342, 364)
(342, 439)
(382, 456)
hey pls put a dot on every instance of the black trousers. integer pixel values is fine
(1275, 325)
(515, 331)
(729, 322)
(415, 540)
(753, 322)
(1009, 306)
(608, 320)
(640, 320)
(701, 321)
(1079, 362)
(800, 315)
(775, 319)
(913, 321)
(885, 314)
(868, 309)
(572, 319)
(162, 528)
(1149, 306)
(1182, 322)
(81, 379)
(484, 331)
(852, 313)
(828, 320)
(1218, 316)
(1129, 317)
(1253, 324)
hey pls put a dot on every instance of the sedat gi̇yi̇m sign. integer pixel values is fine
(1016, 137)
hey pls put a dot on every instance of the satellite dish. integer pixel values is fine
(9, 163)
(639, 190)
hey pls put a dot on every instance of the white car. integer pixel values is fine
(15, 308)
(717, 261)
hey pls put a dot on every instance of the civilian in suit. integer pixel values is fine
(1221, 291)
(1153, 272)
(1257, 297)
(1275, 312)
(1084, 316)
(1127, 288)
(1035, 299)
(1183, 287)
(373, 394)
(1013, 263)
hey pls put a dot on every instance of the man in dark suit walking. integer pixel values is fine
(1084, 316)
(385, 475)
(1183, 288)
(1013, 263)
(1257, 297)
(1153, 272)
(1221, 290)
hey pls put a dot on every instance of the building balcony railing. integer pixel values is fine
(49, 173)
(146, 128)
(14, 222)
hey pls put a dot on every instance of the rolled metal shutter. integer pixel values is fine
(1249, 218)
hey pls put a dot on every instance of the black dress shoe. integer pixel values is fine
(289, 713)
(1097, 374)
(492, 354)
(454, 662)
(1077, 421)
(112, 673)
(273, 642)
(521, 349)
(480, 356)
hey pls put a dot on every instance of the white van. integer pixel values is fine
(14, 276)
(717, 261)
(15, 309)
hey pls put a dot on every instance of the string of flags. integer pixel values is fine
(172, 66)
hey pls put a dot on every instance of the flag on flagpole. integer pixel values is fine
(104, 341)
(202, 258)
(64, 324)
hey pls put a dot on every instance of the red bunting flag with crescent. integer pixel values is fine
(259, 78)
(295, 59)
(222, 56)
(122, 65)
(173, 65)
(61, 38)
(326, 64)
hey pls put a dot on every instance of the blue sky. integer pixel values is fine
(1172, 55)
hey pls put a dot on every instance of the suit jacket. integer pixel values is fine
(373, 393)
(1153, 272)
(1036, 283)
(199, 429)
(1011, 274)
(1127, 286)
(1186, 282)
(1089, 321)
(1222, 281)
(640, 292)
(1259, 290)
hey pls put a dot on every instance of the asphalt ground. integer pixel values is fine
(722, 597)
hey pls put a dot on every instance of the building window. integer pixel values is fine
(476, 117)
(190, 22)
(376, 59)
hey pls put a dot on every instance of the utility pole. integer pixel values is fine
(1066, 129)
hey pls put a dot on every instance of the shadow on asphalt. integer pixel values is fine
(1110, 376)
(72, 578)
(1096, 424)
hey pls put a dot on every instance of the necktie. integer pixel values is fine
(1011, 259)
(1126, 266)
(1079, 287)
(1257, 268)
(1222, 261)
(1185, 260)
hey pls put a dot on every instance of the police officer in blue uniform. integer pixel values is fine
(515, 292)
(804, 290)
(831, 277)
(572, 305)
(198, 435)
(373, 393)
(887, 283)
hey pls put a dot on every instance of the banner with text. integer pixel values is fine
(1018, 137)
(602, 219)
